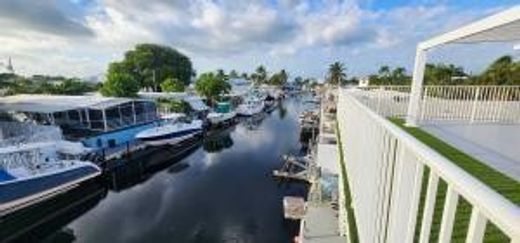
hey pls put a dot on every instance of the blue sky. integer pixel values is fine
(80, 37)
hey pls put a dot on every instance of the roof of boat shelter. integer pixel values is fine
(56, 103)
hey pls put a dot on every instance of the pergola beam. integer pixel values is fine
(501, 27)
(484, 30)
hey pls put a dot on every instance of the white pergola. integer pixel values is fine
(501, 27)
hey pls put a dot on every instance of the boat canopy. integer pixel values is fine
(79, 112)
(196, 103)
(223, 107)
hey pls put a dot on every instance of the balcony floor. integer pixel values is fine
(493, 144)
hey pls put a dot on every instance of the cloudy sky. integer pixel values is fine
(80, 37)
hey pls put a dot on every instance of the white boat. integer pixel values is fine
(253, 104)
(222, 114)
(30, 173)
(172, 131)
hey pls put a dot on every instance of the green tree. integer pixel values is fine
(503, 71)
(442, 74)
(172, 85)
(150, 64)
(337, 73)
(259, 76)
(211, 86)
(221, 74)
(278, 79)
(233, 74)
(119, 84)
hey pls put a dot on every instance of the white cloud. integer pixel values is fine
(302, 36)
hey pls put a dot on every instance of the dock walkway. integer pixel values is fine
(321, 225)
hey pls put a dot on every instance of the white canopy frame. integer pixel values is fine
(501, 27)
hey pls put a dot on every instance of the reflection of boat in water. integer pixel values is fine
(138, 170)
(176, 168)
(174, 130)
(253, 122)
(33, 172)
(218, 141)
(43, 221)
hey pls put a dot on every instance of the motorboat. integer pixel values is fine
(33, 172)
(221, 114)
(173, 129)
(253, 104)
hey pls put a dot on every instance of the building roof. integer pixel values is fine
(55, 103)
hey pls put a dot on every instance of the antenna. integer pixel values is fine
(10, 66)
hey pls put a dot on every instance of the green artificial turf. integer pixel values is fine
(504, 185)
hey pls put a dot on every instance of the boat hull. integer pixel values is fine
(249, 111)
(171, 139)
(19, 193)
(220, 118)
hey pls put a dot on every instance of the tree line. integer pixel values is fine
(43, 84)
(502, 71)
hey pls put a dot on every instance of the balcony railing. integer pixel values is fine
(385, 169)
(474, 104)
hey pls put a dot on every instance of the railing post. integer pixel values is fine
(429, 206)
(477, 226)
(448, 215)
(475, 103)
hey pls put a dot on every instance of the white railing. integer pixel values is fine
(474, 104)
(385, 170)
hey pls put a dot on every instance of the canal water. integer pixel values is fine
(216, 190)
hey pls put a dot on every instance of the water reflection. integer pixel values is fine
(139, 170)
(218, 140)
(282, 111)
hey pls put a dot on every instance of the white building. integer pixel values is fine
(364, 82)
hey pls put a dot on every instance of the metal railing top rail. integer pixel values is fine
(439, 85)
(502, 212)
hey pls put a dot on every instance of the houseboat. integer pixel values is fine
(105, 124)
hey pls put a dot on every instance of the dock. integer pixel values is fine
(294, 168)
(294, 207)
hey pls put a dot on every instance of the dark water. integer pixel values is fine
(218, 190)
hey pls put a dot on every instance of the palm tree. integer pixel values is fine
(260, 75)
(337, 73)
(399, 76)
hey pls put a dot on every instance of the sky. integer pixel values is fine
(80, 37)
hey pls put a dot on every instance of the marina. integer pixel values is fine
(184, 193)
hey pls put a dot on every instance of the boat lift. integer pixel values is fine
(296, 168)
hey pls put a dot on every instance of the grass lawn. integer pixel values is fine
(504, 185)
